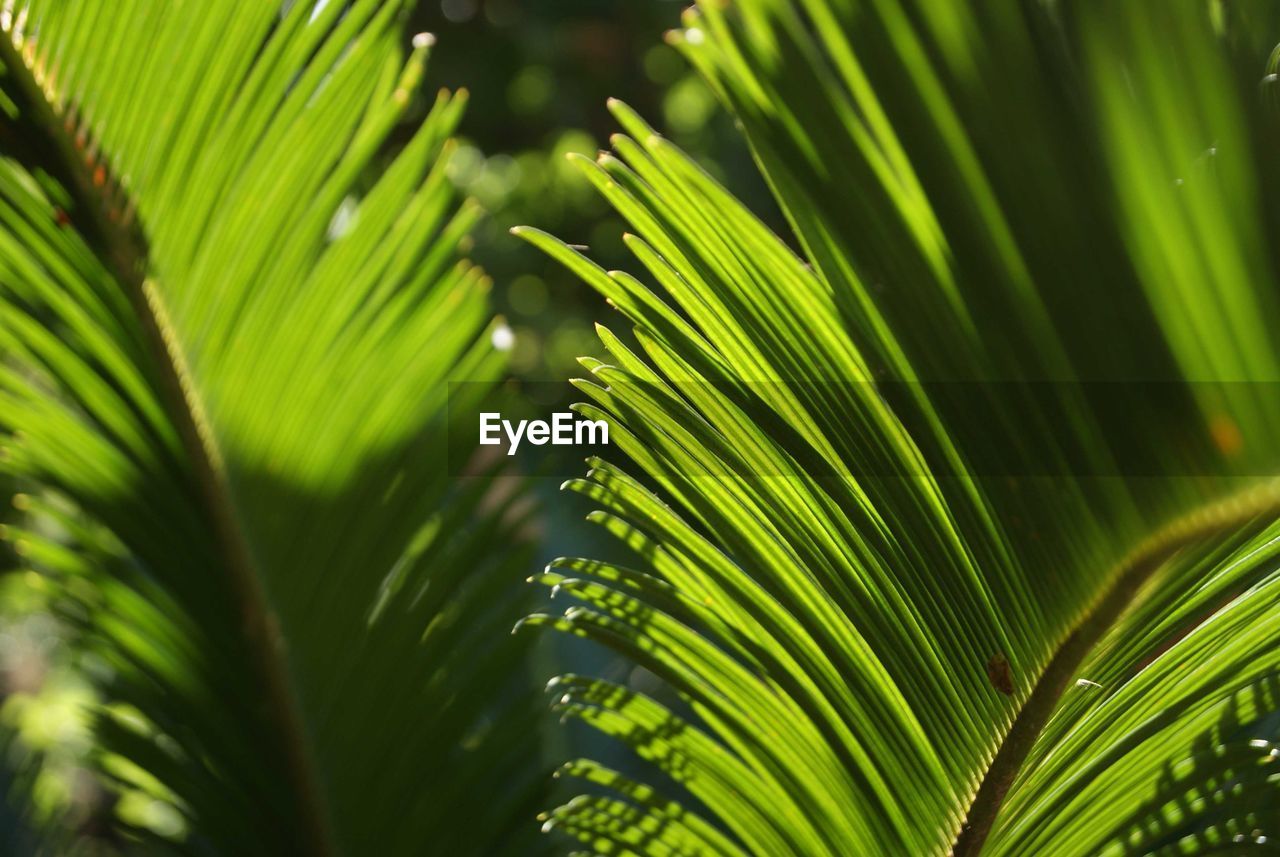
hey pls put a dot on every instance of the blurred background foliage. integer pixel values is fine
(46, 696)
(539, 74)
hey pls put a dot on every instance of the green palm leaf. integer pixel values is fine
(953, 530)
(228, 335)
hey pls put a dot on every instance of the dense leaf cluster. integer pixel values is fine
(891, 561)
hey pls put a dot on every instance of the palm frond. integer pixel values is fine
(1005, 423)
(227, 354)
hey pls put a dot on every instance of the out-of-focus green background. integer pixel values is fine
(539, 73)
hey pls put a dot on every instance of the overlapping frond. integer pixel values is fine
(228, 333)
(1007, 422)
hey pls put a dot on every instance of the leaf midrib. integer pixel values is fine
(1216, 519)
(122, 249)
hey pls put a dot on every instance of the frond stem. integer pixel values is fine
(123, 250)
(1216, 519)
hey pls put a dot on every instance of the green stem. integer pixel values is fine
(1216, 519)
(123, 250)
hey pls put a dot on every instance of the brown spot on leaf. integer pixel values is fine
(999, 674)
(1226, 435)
